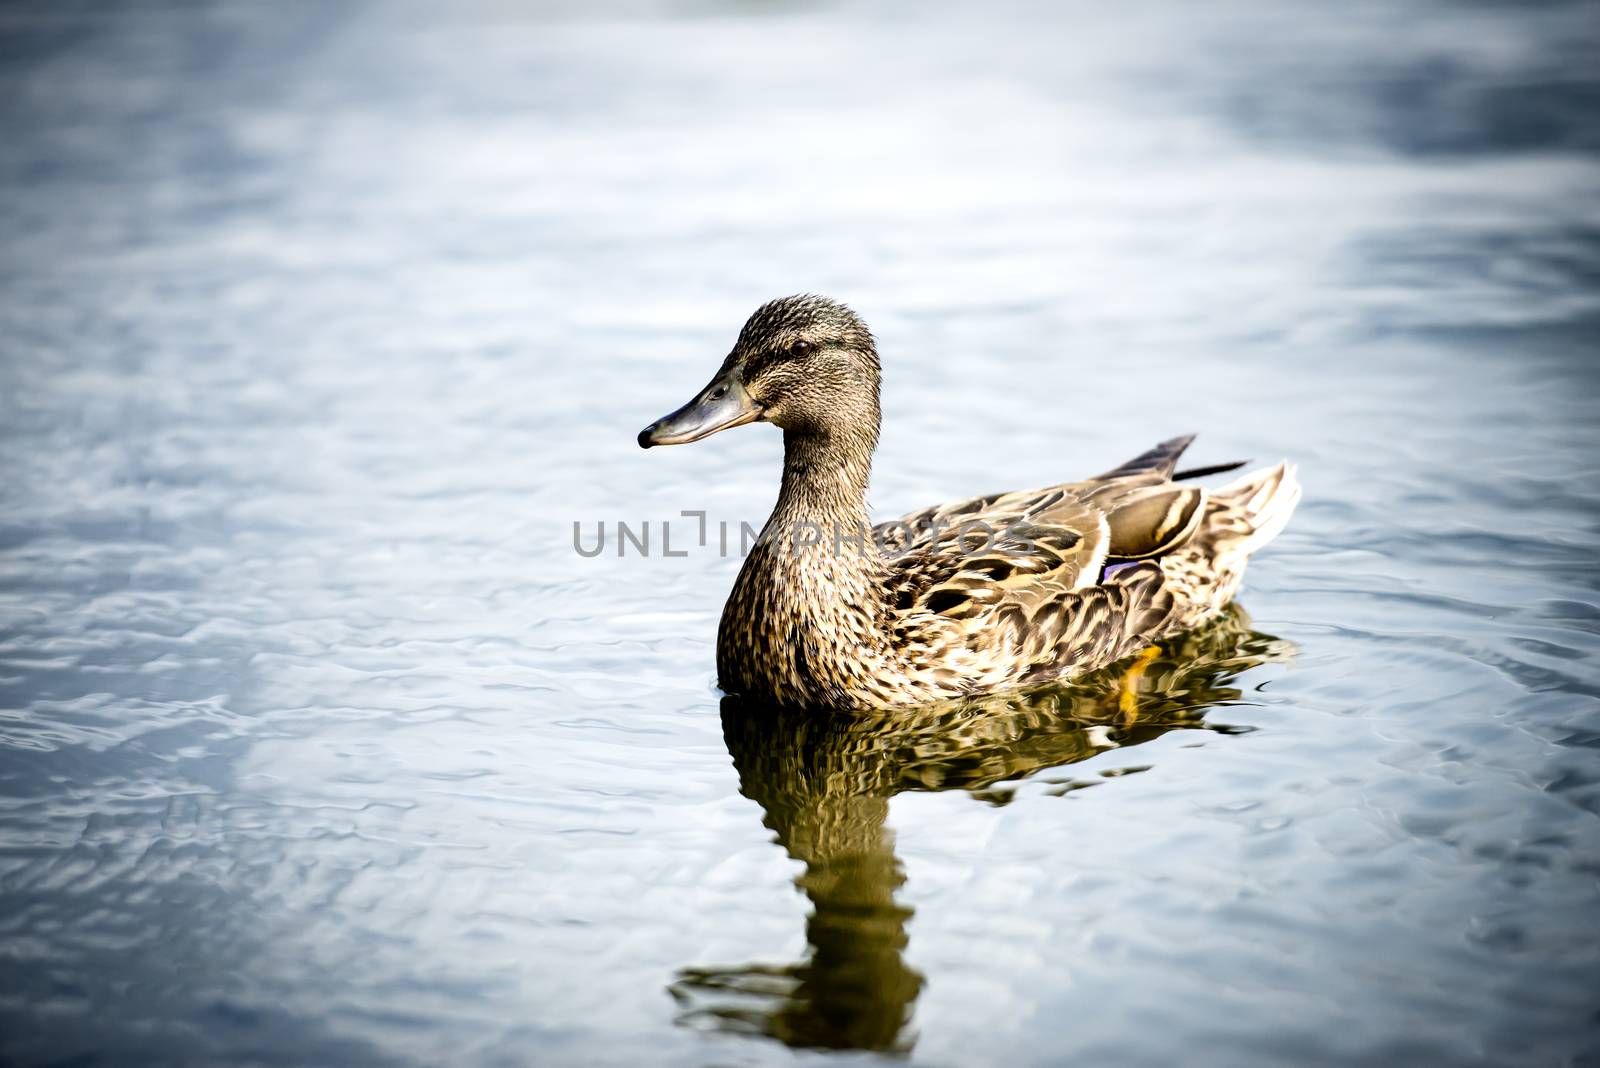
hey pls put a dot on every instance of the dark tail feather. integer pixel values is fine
(1202, 472)
(1161, 459)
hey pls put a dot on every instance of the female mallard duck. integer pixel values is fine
(999, 592)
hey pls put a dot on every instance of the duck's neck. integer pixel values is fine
(806, 623)
(819, 535)
(824, 481)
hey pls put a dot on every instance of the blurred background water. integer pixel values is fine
(321, 325)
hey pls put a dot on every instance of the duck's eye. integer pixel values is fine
(800, 348)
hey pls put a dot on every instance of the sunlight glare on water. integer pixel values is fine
(320, 328)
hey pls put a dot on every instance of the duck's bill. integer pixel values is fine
(722, 404)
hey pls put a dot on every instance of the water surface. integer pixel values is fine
(321, 327)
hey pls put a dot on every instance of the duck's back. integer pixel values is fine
(1050, 583)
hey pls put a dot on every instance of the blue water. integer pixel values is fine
(321, 326)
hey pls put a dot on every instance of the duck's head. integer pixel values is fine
(805, 363)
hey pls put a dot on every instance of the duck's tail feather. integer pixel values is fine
(1249, 512)
(1241, 517)
(1202, 472)
(1162, 459)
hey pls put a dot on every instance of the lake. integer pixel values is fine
(324, 329)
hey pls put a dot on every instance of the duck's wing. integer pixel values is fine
(965, 572)
(1025, 579)
(1143, 512)
(1007, 557)
(1029, 612)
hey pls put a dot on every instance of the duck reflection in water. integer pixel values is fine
(824, 784)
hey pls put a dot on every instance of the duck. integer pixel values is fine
(1003, 592)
